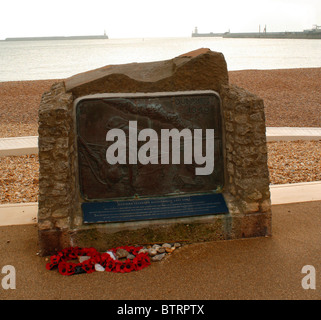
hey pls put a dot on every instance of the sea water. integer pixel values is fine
(58, 59)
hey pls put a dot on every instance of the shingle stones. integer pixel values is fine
(157, 252)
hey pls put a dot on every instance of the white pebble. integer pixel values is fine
(83, 258)
(99, 267)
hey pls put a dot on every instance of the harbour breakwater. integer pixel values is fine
(263, 35)
(96, 37)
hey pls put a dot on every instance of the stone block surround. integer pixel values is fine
(246, 188)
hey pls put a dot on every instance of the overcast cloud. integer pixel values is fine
(148, 18)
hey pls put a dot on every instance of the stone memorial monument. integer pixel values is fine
(152, 152)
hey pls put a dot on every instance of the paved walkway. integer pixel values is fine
(29, 145)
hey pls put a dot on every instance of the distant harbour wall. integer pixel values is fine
(275, 35)
(57, 38)
(263, 35)
(211, 34)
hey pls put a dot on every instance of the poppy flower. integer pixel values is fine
(69, 252)
(60, 254)
(128, 266)
(104, 259)
(120, 267)
(70, 268)
(146, 260)
(135, 250)
(50, 266)
(96, 257)
(143, 257)
(110, 265)
(137, 264)
(55, 259)
(77, 251)
(88, 267)
(116, 266)
(88, 251)
(82, 252)
(66, 268)
(62, 268)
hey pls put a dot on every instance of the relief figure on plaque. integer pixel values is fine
(134, 147)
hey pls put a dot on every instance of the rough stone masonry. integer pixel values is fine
(246, 189)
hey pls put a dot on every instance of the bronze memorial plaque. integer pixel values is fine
(142, 146)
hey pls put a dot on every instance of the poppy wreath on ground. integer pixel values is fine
(60, 260)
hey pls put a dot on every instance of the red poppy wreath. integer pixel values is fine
(60, 260)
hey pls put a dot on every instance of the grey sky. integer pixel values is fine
(150, 18)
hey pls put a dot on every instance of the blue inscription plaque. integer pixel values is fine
(154, 208)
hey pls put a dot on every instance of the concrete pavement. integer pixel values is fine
(256, 268)
(292, 134)
(18, 213)
(18, 146)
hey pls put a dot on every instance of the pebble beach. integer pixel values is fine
(292, 98)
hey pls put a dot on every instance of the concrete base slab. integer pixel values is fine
(295, 192)
(18, 213)
(292, 134)
(18, 146)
